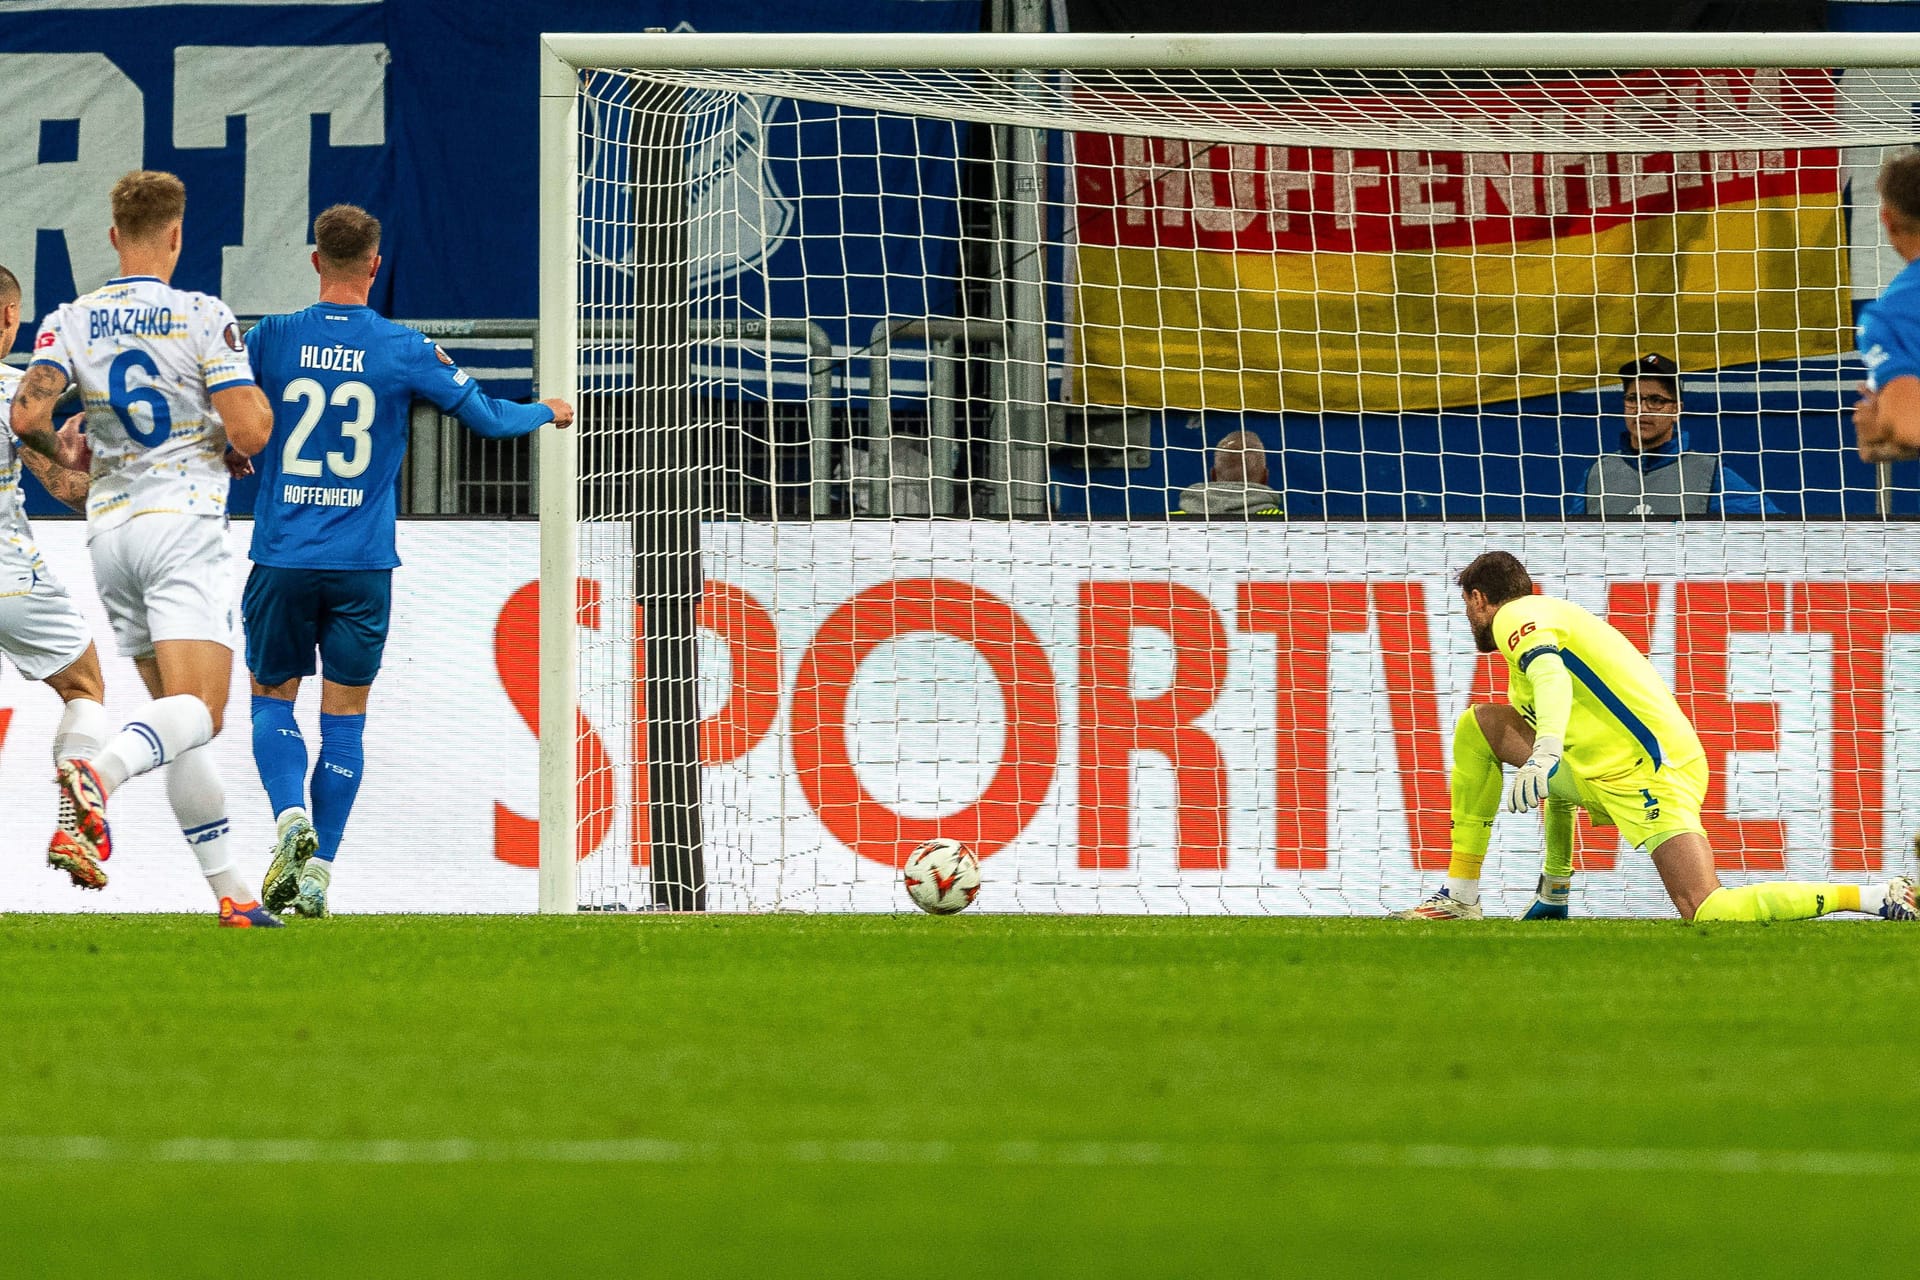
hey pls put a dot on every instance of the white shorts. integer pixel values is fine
(165, 576)
(40, 630)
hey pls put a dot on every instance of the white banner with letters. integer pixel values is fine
(1152, 717)
(443, 746)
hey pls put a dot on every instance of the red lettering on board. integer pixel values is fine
(1115, 723)
(824, 683)
(1301, 617)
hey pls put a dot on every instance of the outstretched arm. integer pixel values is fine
(1886, 422)
(33, 402)
(495, 419)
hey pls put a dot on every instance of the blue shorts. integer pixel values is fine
(342, 613)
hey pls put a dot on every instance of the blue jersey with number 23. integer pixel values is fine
(341, 380)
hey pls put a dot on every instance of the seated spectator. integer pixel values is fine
(1237, 486)
(1654, 473)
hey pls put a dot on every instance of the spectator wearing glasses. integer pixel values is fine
(1653, 473)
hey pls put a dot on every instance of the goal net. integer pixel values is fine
(1066, 444)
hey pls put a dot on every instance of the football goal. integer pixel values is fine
(1064, 444)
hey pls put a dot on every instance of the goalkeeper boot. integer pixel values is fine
(298, 842)
(247, 915)
(1441, 906)
(311, 900)
(1900, 904)
(1550, 897)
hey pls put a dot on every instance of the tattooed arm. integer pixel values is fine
(33, 402)
(67, 485)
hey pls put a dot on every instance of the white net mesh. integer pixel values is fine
(1493, 111)
(1076, 463)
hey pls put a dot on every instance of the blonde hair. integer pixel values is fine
(146, 202)
(346, 236)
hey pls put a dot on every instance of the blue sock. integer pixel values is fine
(336, 779)
(280, 753)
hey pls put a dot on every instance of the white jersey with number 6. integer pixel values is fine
(147, 358)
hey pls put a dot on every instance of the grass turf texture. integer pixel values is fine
(835, 1096)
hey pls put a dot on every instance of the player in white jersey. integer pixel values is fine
(40, 631)
(166, 386)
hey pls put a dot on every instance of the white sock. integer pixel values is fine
(287, 817)
(83, 731)
(1873, 897)
(166, 730)
(200, 806)
(1465, 892)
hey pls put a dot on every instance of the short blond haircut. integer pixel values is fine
(346, 236)
(147, 202)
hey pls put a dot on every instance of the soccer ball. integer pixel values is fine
(942, 876)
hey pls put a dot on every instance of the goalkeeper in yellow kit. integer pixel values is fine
(1591, 725)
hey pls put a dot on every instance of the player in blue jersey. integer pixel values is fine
(1886, 419)
(341, 379)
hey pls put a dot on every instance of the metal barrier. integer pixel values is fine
(449, 471)
(946, 341)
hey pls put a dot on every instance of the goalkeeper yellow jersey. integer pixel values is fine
(1624, 718)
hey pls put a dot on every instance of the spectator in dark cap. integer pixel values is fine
(1654, 473)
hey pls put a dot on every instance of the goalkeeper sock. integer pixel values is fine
(279, 753)
(168, 729)
(1474, 791)
(1778, 900)
(336, 779)
(1559, 863)
(200, 806)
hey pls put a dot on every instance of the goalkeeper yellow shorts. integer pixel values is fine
(1647, 805)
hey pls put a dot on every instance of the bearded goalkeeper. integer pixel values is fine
(1591, 725)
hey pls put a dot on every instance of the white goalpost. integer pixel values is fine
(1065, 443)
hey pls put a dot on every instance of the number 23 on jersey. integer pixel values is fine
(356, 399)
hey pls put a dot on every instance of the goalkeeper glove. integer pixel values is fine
(1528, 790)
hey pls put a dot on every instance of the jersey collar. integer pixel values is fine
(136, 280)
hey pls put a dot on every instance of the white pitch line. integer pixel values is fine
(1146, 1154)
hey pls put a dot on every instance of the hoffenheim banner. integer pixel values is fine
(423, 111)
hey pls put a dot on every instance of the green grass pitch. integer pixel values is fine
(980, 1095)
